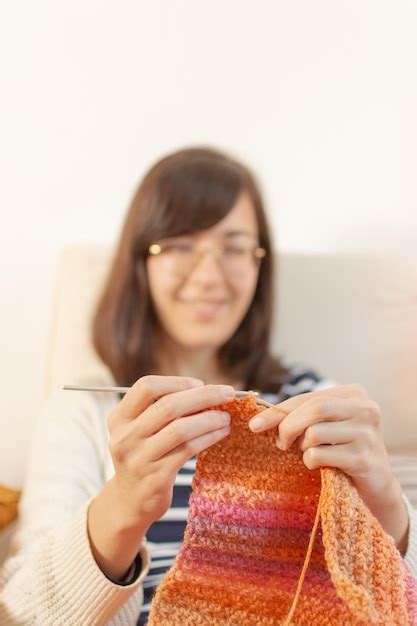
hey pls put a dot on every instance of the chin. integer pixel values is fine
(199, 340)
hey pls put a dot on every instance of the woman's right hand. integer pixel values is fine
(160, 423)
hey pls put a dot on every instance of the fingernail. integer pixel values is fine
(256, 424)
(227, 391)
(280, 445)
(196, 382)
(226, 418)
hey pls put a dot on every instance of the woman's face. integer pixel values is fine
(202, 284)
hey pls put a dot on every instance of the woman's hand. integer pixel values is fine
(341, 427)
(161, 423)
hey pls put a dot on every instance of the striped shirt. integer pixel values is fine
(165, 536)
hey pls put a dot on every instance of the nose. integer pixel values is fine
(207, 266)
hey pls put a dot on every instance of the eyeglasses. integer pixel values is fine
(235, 258)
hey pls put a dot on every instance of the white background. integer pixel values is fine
(320, 97)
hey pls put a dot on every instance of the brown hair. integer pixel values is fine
(186, 191)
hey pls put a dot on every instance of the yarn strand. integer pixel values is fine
(306, 563)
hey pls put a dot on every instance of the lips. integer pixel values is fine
(207, 302)
(204, 309)
(202, 301)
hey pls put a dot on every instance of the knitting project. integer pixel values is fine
(270, 542)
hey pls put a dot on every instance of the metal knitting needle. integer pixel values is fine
(239, 394)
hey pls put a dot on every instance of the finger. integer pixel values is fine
(338, 391)
(176, 458)
(175, 405)
(185, 429)
(340, 456)
(147, 390)
(328, 433)
(318, 409)
(272, 417)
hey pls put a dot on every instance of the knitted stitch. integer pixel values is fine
(251, 529)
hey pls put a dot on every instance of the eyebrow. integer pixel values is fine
(238, 233)
(226, 233)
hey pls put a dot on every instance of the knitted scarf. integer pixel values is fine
(270, 542)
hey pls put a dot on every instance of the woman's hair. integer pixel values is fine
(186, 191)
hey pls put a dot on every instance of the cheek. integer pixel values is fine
(159, 285)
(159, 276)
(152, 273)
(244, 293)
(246, 290)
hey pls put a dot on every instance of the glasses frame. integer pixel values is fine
(156, 249)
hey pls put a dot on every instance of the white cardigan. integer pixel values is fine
(51, 578)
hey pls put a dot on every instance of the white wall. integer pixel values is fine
(319, 97)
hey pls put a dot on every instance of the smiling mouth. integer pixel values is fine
(204, 309)
(205, 302)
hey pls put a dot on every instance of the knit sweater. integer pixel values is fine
(51, 577)
(270, 542)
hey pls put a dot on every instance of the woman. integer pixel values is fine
(185, 321)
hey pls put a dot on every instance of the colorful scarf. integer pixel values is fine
(270, 542)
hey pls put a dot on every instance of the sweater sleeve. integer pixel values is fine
(51, 577)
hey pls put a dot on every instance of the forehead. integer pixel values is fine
(241, 219)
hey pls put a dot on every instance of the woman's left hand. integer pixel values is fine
(341, 427)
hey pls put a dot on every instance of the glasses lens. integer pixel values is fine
(236, 259)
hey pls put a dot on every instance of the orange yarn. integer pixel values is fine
(269, 542)
(9, 500)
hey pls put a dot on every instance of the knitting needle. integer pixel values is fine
(239, 394)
